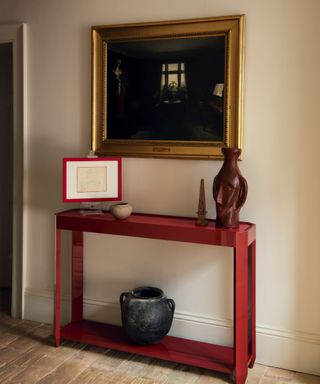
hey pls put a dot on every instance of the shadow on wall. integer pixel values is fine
(66, 132)
(168, 186)
(44, 177)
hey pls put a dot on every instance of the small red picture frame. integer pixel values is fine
(91, 179)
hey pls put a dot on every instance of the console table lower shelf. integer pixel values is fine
(184, 351)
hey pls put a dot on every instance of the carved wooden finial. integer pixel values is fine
(202, 206)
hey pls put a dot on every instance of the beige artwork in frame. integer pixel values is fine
(169, 89)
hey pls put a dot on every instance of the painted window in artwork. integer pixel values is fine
(173, 80)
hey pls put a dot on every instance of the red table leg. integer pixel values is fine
(241, 309)
(57, 334)
(77, 275)
(252, 283)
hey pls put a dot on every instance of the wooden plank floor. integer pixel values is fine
(27, 356)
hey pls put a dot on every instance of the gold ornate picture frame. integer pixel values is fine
(169, 89)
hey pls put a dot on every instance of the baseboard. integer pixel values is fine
(297, 351)
(38, 306)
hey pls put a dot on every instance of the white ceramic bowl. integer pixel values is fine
(121, 210)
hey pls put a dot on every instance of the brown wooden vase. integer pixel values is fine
(229, 190)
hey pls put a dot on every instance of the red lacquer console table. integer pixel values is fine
(232, 360)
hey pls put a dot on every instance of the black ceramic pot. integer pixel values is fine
(146, 314)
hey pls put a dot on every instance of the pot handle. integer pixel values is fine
(123, 296)
(171, 304)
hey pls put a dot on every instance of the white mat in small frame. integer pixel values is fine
(92, 179)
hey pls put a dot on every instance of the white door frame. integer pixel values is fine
(16, 34)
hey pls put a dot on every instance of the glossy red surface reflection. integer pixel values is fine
(234, 360)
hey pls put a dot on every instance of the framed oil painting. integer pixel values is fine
(167, 89)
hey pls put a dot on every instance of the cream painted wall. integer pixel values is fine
(281, 136)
